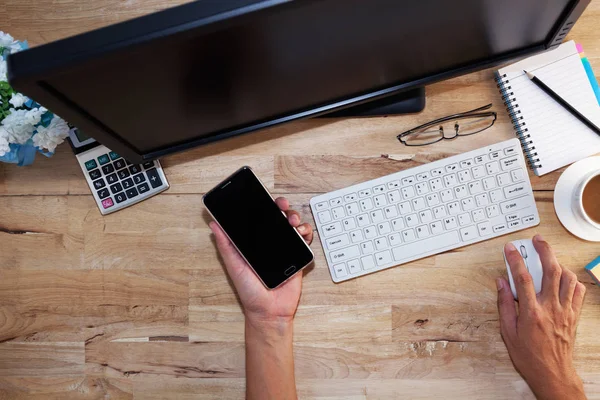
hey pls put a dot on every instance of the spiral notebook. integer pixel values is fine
(550, 135)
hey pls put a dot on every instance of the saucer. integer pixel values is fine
(563, 198)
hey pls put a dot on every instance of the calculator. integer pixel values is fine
(115, 182)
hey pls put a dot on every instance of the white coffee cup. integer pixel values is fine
(577, 203)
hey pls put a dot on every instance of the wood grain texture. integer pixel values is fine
(136, 305)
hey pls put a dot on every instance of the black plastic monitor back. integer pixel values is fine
(213, 69)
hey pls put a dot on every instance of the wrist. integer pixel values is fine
(568, 386)
(271, 327)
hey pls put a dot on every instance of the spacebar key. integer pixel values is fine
(425, 246)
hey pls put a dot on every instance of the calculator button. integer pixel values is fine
(129, 163)
(95, 174)
(91, 164)
(112, 178)
(134, 169)
(148, 164)
(143, 188)
(103, 159)
(139, 178)
(123, 173)
(120, 163)
(154, 178)
(102, 193)
(114, 156)
(131, 193)
(99, 184)
(107, 203)
(120, 197)
(127, 183)
(107, 169)
(116, 188)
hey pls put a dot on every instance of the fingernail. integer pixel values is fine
(538, 238)
(508, 247)
(499, 284)
(301, 229)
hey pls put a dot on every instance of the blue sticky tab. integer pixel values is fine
(593, 269)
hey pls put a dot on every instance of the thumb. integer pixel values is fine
(506, 310)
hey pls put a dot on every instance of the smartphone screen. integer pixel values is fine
(260, 231)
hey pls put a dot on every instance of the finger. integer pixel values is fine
(578, 297)
(506, 309)
(521, 277)
(307, 232)
(233, 260)
(550, 267)
(568, 282)
(282, 203)
(293, 218)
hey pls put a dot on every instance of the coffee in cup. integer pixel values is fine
(587, 198)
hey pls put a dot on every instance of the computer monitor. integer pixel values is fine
(211, 69)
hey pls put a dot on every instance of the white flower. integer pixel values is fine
(9, 42)
(17, 100)
(53, 135)
(20, 124)
(3, 71)
(4, 145)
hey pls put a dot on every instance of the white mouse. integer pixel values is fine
(532, 262)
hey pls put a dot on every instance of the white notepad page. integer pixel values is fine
(558, 136)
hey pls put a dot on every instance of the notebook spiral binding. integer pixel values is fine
(519, 124)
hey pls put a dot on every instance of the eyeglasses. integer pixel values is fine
(450, 127)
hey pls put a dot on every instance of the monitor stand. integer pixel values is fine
(411, 101)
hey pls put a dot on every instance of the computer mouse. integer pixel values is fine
(532, 262)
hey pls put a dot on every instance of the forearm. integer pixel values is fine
(567, 386)
(269, 360)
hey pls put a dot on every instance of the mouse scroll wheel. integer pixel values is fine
(523, 251)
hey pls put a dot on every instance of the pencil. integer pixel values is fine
(562, 102)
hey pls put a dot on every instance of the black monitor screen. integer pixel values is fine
(291, 58)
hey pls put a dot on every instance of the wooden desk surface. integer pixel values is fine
(137, 305)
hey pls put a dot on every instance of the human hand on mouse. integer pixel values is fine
(262, 305)
(539, 330)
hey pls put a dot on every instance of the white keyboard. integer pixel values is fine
(426, 210)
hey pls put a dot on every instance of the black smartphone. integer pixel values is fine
(248, 214)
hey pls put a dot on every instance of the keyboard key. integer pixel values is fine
(366, 204)
(90, 165)
(408, 192)
(426, 216)
(492, 167)
(489, 183)
(516, 204)
(436, 227)
(363, 220)
(395, 239)
(350, 197)
(468, 204)
(108, 168)
(335, 202)
(103, 193)
(494, 155)
(440, 212)
(422, 188)
(370, 232)
(500, 228)
(460, 191)
(383, 258)
(423, 176)
(512, 217)
(390, 212)
(139, 178)
(148, 164)
(478, 215)
(356, 236)
(134, 169)
(412, 220)
(446, 195)
(504, 179)
(365, 193)
(143, 188)
(408, 235)
(482, 200)
(129, 162)
(409, 180)
(481, 159)
(377, 216)
(123, 174)
(418, 204)
(496, 196)
(422, 231)
(436, 184)
(464, 219)
(380, 200)
(112, 178)
(452, 167)
(384, 228)
(381, 243)
(464, 176)
(432, 199)
(492, 211)
(103, 159)
(515, 190)
(514, 224)
(466, 163)
(475, 187)
(404, 208)
(517, 175)
(478, 172)
(113, 156)
(354, 266)
(510, 151)
(450, 223)
(107, 203)
(131, 193)
(450, 180)
(528, 219)
(321, 206)
(484, 228)
(469, 233)
(324, 217)
(425, 246)
(338, 213)
(119, 164)
(509, 163)
(345, 254)
(340, 270)
(338, 241)
(127, 183)
(397, 224)
(437, 172)
(367, 247)
(393, 185)
(99, 184)
(394, 196)
(367, 262)
(120, 197)
(379, 189)
(454, 208)
(116, 188)
(349, 224)
(95, 174)
(331, 229)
